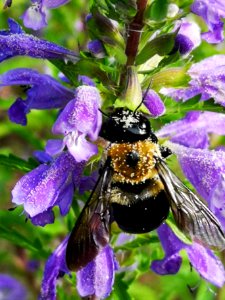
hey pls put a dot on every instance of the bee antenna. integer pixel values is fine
(104, 114)
(143, 98)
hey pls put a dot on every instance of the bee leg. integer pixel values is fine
(165, 151)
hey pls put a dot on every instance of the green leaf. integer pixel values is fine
(12, 235)
(158, 10)
(161, 45)
(86, 66)
(120, 289)
(141, 240)
(17, 163)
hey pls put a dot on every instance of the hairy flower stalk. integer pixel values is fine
(137, 60)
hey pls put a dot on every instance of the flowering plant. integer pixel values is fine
(162, 59)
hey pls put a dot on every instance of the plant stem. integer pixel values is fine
(134, 32)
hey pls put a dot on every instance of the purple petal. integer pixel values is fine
(192, 131)
(45, 92)
(34, 17)
(55, 264)
(18, 111)
(42, 219)
(96, 47)
(207, 264)
(85, 80)
(54, 147)
(11, 289)
(81, 114)
(30, 190)
(14, 44)
(42, 156)
(211, 12)
(80, 148)
(171, 245)
(203, 168)
(207, 80)
(98, 276)
(188, 37)
(154, 103)
(66, 198)
(54, 3)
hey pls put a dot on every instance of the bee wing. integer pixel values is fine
(191, 215)
(91, 231)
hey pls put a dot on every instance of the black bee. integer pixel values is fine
(136, 189)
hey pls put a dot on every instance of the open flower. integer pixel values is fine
(96, 279)
(44, 92)
(202, 259)
(47, 186)
(188, 37)
(212, 11)
(80, 118)
(35, 16)
(207, 80)
(14, 42)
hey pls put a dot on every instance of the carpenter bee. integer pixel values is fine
(136, 189)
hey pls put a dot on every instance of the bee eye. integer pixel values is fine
(132, 159)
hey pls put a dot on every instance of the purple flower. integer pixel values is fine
(193, 130)
(95, 279)
(35, 16)
(154, 103)
(96, 47)
(207, 80)
(10, 288)
(55, 267)
(202, 259)
(60, 177)
(212, 11)
(188, 37)
(44, 92)
(14, 42)
(80, 118)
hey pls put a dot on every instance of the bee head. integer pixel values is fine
(124, 126)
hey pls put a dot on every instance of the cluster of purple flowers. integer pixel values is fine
(79, 122)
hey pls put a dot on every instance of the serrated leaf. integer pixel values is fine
(161, 45)
(17, 163)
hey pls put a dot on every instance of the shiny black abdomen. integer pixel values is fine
(143, 215)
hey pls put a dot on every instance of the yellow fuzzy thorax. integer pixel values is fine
(145, 168)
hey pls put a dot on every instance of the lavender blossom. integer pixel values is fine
(10, 288)
(44, 92)
(95, 279)
(55, 267)
(207, 80)
(59, 177)
(35, 16)
(14, 42)
(154, 103)
(212, 11)
(203, 260)
(188, 37)
(80, 118)
(194, 129)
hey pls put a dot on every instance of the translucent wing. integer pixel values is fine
(191, 215)
(91, 231)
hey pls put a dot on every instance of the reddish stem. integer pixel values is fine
(134, 32)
